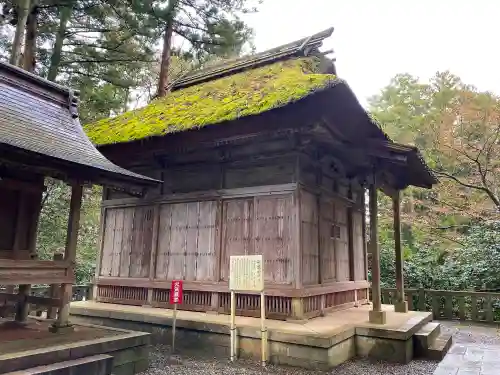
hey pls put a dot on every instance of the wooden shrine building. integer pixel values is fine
(268, 154)
(41, 136)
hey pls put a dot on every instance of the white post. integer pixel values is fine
(174, 323)
(233, 326)
(263, 330)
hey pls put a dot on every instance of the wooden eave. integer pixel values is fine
(40, 131)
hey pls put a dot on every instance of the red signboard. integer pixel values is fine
(176, 292)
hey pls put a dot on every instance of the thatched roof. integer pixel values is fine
(243, 94)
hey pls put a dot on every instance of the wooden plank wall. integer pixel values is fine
(341, 236)
(358, 246)
(327, 241)
(187, 241)
(309, 237)
(193, 237)
(127, 242)
(260, 225)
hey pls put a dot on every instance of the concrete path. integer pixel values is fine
(476, 350)
(471, 359)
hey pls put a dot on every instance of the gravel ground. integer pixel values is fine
(463, 333)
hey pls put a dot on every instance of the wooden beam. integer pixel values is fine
(100, 251)
(365, 244)
(400, 305)
(73, 223)
(376, 315)
(297, 255)
(204, 195)
(27, 187)
(154, 249)
(36, 208)
(69, 256)
(350, 231)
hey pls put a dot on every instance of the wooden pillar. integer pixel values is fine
(54, 290)
(297, 313)
(376, 315)
(20, 244)
(400, 305)
(154, 250)
(69, 256)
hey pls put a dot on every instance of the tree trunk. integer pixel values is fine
(55, 59)
(165, 61)
(22, 12)
(30, 38)
(167, 48)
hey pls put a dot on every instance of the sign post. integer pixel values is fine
(175, 299)
(246, 274)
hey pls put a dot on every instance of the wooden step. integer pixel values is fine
(424, 337)
(101, 364)
(439, 346)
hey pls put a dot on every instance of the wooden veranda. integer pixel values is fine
(40, 136)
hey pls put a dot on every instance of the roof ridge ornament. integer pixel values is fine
(73, 101)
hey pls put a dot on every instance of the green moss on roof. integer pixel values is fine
(243, 94)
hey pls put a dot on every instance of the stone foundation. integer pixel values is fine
(314, 351)
(128, 349)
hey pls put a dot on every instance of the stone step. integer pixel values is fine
(424, 337)
(439, 347)
(101, 364)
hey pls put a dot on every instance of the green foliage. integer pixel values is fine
(54, 221)
(228, 98)
(472, 266)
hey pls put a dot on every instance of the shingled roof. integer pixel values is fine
(39, 123)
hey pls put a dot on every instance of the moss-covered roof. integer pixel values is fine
(243, 94)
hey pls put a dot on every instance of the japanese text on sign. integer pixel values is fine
(176, 292)
(245, 273)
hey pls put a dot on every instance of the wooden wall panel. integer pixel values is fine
(358, 244)
(327, 240)
(187, 241)
(178, 241)
(341, 242)
(107, 242)
(163, 254)
(309, 243)
(208, 241)
(237, 231)
(142, 230)
(274, 218)
(117, 243)
(193, 178)
(128, 234)
(275, 172)
(260, 225)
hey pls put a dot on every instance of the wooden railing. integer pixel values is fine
(80, 293)
(451, 305)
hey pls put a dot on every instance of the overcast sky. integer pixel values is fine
(374, 40)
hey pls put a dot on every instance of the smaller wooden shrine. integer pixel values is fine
(268, 154)
(40, 136)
